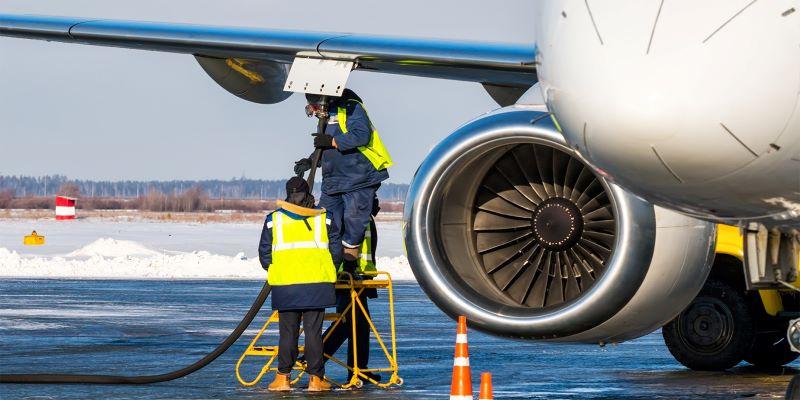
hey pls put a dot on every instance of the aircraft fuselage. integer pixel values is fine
(694, 106)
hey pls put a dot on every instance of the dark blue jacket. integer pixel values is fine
(294, 297)
(344, 168)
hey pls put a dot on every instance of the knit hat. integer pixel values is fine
(296, 185)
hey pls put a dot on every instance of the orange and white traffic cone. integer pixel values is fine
(461, 386)
(486, 387)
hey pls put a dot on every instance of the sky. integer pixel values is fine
(117, 114)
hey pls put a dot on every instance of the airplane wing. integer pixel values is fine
(496, 65)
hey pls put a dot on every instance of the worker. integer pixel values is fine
(295, 250)
(354, 163)
(336, 335)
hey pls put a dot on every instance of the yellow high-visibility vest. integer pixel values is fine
(300, 251)
(375, 151)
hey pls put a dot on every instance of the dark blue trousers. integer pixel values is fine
(350, 215)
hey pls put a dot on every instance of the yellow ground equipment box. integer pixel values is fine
(33, 239)
(382, 280)
(731, 242)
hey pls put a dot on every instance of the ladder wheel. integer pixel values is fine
(358, 384)
(399, 381)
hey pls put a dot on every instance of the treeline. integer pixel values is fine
(194, 199)
(237, 188)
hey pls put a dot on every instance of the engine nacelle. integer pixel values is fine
(507, 225)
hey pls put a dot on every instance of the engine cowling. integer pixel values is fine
(506, 224)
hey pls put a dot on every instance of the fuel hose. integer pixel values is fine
(146, 379)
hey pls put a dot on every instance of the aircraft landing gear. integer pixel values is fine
(714, 332)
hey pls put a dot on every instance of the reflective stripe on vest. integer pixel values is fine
(374, 151)
(299, 254)
(366, 260)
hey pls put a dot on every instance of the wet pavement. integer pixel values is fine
(148, 327)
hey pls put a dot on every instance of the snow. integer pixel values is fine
(143, 263)
(64, 237)
(108, 247)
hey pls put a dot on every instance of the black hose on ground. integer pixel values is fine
(146, 379)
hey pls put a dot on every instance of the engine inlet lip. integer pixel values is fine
(435, 275)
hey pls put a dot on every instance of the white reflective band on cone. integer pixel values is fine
(461, 338)
(453, 397)
(461, 362)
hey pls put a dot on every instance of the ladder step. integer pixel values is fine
(331, 317)
(262, 351)
(268, 350)
(328, 317)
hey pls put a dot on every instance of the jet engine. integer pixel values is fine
(509, 226)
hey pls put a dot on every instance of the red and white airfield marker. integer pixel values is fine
(65, 207)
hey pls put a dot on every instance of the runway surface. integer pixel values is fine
(146, 327)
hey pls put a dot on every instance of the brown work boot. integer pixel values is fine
(317, 384)
(280, 384)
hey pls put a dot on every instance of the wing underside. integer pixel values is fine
(493, 64)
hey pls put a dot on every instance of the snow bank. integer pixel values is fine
(121, 259)
(112, 248)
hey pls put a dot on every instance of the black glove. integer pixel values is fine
(322, 141)
(301, 166)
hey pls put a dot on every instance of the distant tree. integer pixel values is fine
(237, 188)
(6, 196)
(193, 199)
(69, 189)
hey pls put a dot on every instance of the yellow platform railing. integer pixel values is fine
(381, 280)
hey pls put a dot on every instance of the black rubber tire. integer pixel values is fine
(793, 391)
(718, 307)
(771, 350)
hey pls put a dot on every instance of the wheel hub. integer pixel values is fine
(708, 326)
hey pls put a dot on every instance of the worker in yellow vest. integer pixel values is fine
(295, 251)
(354, 163)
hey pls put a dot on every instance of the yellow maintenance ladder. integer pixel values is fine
(381, 280)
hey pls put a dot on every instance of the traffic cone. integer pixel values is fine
(461, 386)
(486, 387)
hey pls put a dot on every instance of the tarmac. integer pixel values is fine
(143, 327)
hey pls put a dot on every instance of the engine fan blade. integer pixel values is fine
(543, 226)
(489, 222)
(490, 202)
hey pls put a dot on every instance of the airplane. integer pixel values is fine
(585, 208)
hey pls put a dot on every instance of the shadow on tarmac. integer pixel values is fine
(741, 382)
